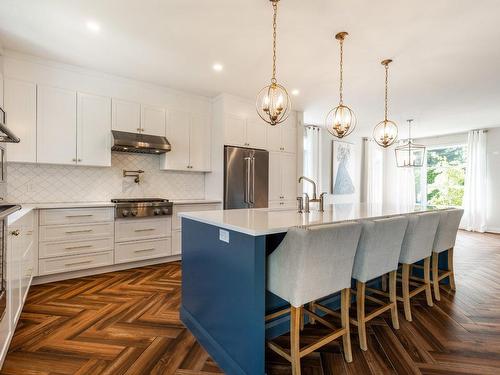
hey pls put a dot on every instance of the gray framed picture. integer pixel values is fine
(343, 169)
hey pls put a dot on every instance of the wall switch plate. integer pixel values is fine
(224, 235)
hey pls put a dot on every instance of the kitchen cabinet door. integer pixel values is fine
(93, 130)
(274, 137)
(289, 135)
(234, 130)
(153, 120)
(178, 132)
(257, 133)
(288, 176)
(20, 108)
(126, 116)
(14, 259)
(199, 143)
(56, 125)
(275, 192)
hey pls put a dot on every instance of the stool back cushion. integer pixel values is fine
(379, 247)
(311, 263)
(446, 234)
(419, 237)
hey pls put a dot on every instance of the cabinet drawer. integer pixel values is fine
(176, 220)
(142, 229)
(73, 263)
(76, 216)
(57, 249)
(133, 251)
(75, 232)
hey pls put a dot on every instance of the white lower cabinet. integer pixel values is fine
(176, 242)
(74, 239)
(133, 251)
(142, 229)
(282, 179)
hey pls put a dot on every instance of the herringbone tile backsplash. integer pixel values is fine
(41, 183)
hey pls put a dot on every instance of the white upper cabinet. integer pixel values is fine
(234, 130)
(239, 131)
(93, 130)
(153, 120)
(126, 116)
(56, 125)
(256, 133)
(283, 137)
(20, 108)
(189, 134)
(199, 145)
(178, 125)
(275, 192)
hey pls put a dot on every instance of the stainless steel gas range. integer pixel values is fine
(142, 207)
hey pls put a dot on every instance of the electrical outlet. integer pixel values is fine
(224, 235)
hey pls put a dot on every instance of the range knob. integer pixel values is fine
(125, 213)
(133, 212)
(156, 211)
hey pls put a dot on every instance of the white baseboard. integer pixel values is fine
(96, 271)
(493, 230)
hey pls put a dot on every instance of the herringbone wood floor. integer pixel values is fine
(128, 323)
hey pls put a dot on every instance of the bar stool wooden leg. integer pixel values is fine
(384, 283)
(313, 309)
(435, 275)
(427, 281)
(344, 310)
(392, 298)
(360, 307)
(406, 291)
(450, 268)
(295, 317)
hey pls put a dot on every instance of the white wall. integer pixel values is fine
(493, 183)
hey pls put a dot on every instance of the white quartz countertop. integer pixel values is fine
(262, 221)
(195, 201)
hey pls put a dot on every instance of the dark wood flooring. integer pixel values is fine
(127, 322)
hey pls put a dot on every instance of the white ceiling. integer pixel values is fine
(446, 70)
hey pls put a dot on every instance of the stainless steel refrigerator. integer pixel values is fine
(246, 177)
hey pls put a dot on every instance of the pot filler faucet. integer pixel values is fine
(303, 202)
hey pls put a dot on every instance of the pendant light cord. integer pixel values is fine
(386, 89)
(341, 88)
(275, 15)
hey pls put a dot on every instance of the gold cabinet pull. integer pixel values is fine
(144, 250)
(81, 215)
(78, 247)
(15, 232)
(145, 230)
(78, 231)
(78, 263)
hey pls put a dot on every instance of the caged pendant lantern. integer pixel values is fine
(386, 132)
(410, 154)
(341, 120)
(273, 102)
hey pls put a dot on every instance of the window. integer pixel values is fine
(441, 180)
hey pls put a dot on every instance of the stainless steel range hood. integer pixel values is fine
(139, 143)
(5, 134)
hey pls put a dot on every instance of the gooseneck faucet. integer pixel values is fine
(314, 197)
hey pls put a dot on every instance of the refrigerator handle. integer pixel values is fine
(246, 195)
(252, 195)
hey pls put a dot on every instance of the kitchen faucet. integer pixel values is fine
(315, 198)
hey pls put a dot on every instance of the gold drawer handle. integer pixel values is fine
(145, 230)
(78, 231)
(143, 250)
(15, 232)
(85, 215)
(78, 247)
(77, 263)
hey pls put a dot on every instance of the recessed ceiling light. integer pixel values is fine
(295, 92)
(93, 26)
(217, 67)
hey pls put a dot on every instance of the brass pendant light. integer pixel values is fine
(273, 102)
(410, 154)
(386, 132)
(341, 120)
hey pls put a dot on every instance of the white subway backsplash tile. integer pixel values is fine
(41, 183)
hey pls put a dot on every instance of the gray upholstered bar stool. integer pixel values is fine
(446, 236)
(417, 246)
(377, 255)
(309, 264)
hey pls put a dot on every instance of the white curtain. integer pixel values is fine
(405, 192)
(312, 159)
(474, 202)
(373, 172)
